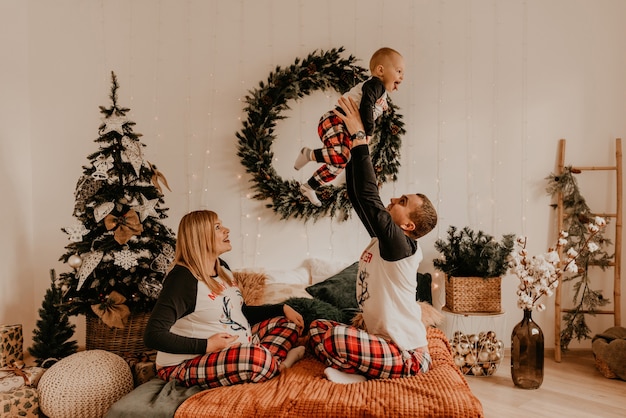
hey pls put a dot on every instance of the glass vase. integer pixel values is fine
(527, 353)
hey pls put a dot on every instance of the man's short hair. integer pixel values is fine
(424, 217)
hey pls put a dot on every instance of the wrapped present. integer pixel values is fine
(20, 402)
(11, 344)
(16, 375)
(10, 382)
(142, 365)
(143, 371)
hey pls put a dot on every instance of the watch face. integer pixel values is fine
(360, 135)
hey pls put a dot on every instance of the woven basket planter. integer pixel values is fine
(473, 294)
(121, 341)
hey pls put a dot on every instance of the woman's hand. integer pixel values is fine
(219, 341)
(352, 118)
(292, 315)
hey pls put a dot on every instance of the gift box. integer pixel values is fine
(20, 402)
(11, 344)
(17, 375)
(143, 371)
(142, 366)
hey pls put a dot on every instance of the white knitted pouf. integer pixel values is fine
(84, 385)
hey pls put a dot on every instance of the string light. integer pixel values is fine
(471, 192)
(105, 73)
(244, 202)
(440, 123)
(440, 127)
(187, 111)
(494, 117)
(524, 121)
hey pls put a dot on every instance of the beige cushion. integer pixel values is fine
(84, 384)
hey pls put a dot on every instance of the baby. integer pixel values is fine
(387, 69)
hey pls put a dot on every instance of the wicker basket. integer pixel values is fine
(473, 294)
(121, 341)
(603, 368)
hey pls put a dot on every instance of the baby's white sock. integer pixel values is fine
(303, 158)
(338, 376)
(310, 194)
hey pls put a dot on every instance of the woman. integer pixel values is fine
(202, 330)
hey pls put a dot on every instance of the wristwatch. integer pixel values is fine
(358, 135)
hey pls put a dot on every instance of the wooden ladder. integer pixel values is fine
(616, 263)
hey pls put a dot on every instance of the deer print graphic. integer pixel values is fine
(364, 293)
(228, 320)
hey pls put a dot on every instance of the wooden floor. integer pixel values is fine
(571, 388)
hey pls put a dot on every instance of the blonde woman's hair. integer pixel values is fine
(380, 57)
(195, 247)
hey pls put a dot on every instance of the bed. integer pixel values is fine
(302, 390)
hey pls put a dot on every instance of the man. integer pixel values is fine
(393, 343)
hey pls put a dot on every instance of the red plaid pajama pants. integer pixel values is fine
(353, 350)
(255, 362)
(336, 151)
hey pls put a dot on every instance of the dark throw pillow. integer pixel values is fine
(311, 309)
(338, 290)
(424, 290)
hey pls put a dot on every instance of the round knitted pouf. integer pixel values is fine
(84, 385)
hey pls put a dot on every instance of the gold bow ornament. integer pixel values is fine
(125, 226)
(113, 312)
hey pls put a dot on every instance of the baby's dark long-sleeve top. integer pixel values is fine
(373, 89)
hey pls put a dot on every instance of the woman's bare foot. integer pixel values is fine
(293, 356)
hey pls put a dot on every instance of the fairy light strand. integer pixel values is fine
(106, 71)
(471, 192)
(187, 134)
(439, 104)
(131, 26)
(155, 79)
(210, 129)
(440, 126)
(494, 117)
(524, 115)
(244, 200)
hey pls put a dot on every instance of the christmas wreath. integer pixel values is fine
(318, 71)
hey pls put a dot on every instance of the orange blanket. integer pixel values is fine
(303, 391)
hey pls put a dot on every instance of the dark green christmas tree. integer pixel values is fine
(119, 248)
(51, 337)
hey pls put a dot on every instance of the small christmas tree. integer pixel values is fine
(119, 249)
(50, 338)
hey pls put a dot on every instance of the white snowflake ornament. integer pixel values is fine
(125, 259)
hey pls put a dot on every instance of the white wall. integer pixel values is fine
(490, 87)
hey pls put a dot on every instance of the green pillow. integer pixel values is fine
(338, 290)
